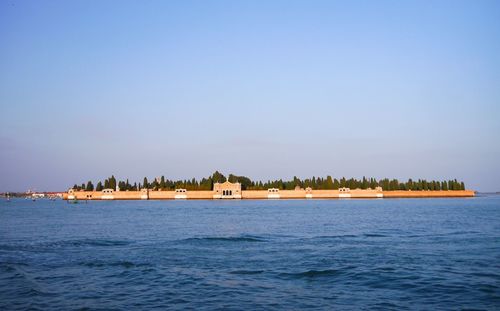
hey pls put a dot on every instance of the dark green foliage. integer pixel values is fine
(336, 184)
(218, 177)
(328, 183)
(112, 182)
(245, 182)
(89, 187)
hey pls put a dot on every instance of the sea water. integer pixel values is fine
(427, 254)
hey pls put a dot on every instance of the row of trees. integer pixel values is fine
(247, 184)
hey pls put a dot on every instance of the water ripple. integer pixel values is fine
(309, 274)
(227, 239)
(63, 244)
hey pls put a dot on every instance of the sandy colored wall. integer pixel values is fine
(200, 195)
(301, 194)
(161, 195)
(428, 194)
(254, 194)
(127, 195)
(96, 195)
(292, 194)
(263, 194)
(170, 195)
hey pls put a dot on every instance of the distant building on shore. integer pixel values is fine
(227, 190)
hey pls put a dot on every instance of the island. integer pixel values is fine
(217, 186)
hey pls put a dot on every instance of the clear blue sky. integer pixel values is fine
(266, 89)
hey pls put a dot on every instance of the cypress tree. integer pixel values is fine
(336, 184)
(112, 182)
(329, 182)
(364, 184)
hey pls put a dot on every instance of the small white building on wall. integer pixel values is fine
(107, 194)
(273, 193)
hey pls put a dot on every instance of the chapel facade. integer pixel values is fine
(227, 190)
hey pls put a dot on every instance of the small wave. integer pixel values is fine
(123, 264)
(385, 269)
(35, 290)
(374, 235)
(7, 268)
(341, 236)
(247, 272)
(95, 242)
(229, 239)
(63, 244)
(312, 274)
(13, 264)
(440, 235)
(488, 288)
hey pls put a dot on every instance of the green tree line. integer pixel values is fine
(247, 184)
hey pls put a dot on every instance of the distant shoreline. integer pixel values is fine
(270, 194)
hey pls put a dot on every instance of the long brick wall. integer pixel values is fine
(262, 194)
(428, 194)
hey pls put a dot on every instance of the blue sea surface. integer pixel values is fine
(422, 254)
